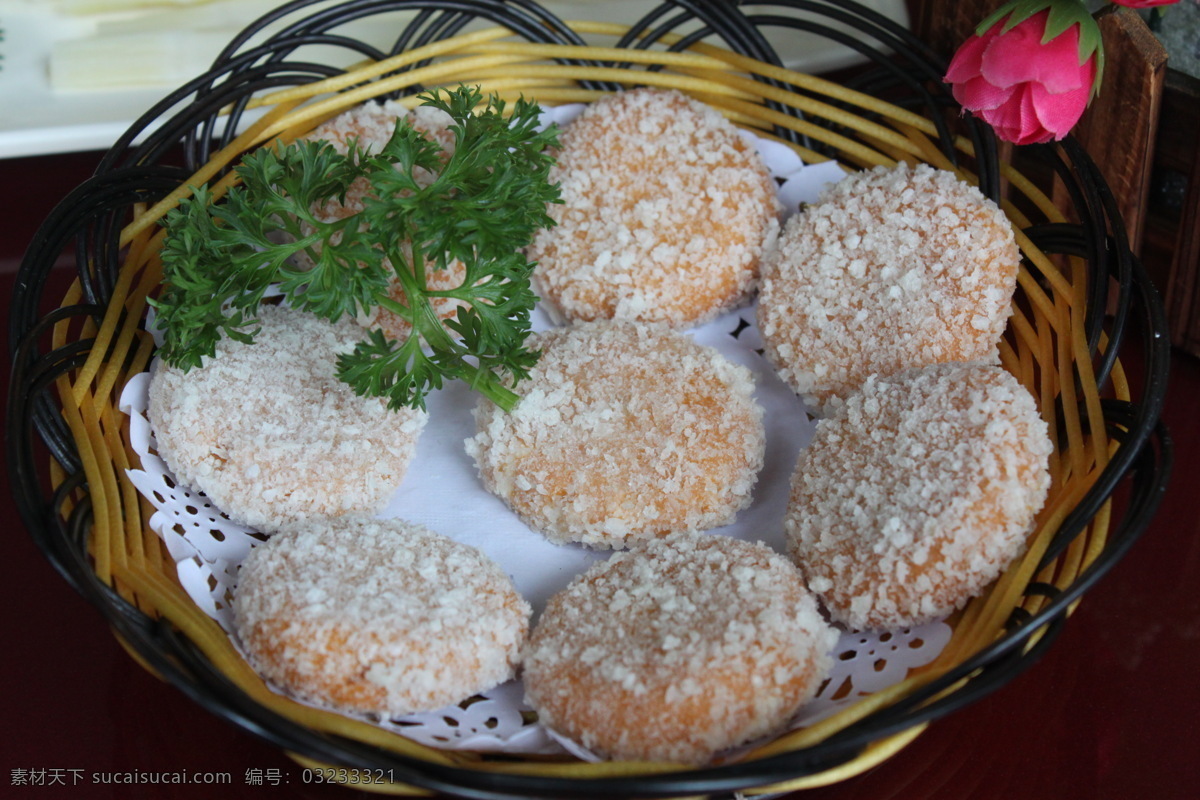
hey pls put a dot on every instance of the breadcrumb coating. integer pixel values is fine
(377, 616)
(666, 213)
(917, 493)
(269, 432)
(678, 649)
(892, 268)
(624, 432)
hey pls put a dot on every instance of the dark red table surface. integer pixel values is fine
(1111, 711)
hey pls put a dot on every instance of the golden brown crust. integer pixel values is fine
(677, 649)
(894, 268)
(269, 432)
(378, 617)
(666, 213)
(624, 432)
(917, 493)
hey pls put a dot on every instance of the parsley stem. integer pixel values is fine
(426, 320)
(495, 391)
(419, 311)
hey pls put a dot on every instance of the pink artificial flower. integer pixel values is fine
(1144, 3)
(1029, 91)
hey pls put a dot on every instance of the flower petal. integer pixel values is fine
(1020, 57)
(968, 59)
(979, 95)
(1017, 121)
(1059, 112)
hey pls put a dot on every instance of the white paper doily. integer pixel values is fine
(442, 492)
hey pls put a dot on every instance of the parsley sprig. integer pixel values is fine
(483, 206)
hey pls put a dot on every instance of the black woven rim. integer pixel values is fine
(179, 134)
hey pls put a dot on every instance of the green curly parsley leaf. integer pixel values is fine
(483, 206)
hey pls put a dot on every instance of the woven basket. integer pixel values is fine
(1080, 293)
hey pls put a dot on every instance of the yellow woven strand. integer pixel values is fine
(1071, 561)
(1009, 359)
(930, 152)
(156, 557)
(1102, 520)
(85, 446)
(1070, 409)
(809, 157)
(1083, 366)
(116, 371)
(109, 370)
(110, 423)
(848, 147)
(824, 87)
(88, 460)
(1035, 195)
(103, 482)
(1032, 290)
(1058, 282)
(223, 157)
(1027, 373)
(1099, 538)
(1046, 394)
(817, 108)
(99, 352)
(536, 52)
(510, 89)
(431, 75)
(1019, 324)
(137, 509)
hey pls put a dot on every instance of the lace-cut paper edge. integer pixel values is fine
(208, 547)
